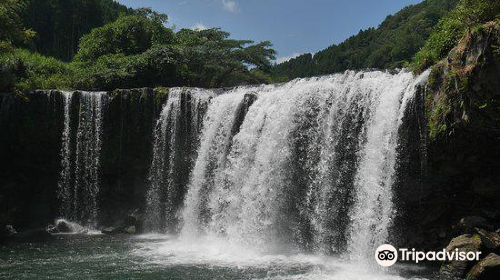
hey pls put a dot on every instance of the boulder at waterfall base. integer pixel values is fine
(487, 269)
(464, 243)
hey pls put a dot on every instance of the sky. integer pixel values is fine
(293, 26)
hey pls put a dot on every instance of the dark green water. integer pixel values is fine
(159, 257)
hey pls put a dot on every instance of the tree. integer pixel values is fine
(128, 35)
(391, 45)
(473, 12)
(212, 59)
(60, 24)
(11, 26)
(136, 50)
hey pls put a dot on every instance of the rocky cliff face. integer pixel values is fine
(460, 171)
(30, 137)
(29, 172)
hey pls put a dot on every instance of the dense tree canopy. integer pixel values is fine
(215, 60)
(59, 24)
(135, 50)
(117, 47)
(203, 58)
(133, 34)
(11, 26)
(392, 44)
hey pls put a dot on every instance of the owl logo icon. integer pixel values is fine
(386, 255)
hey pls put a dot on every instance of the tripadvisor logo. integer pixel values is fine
(387, 255)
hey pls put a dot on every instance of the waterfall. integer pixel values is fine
(78, 186)
(175, 138)
(373, 208)
(64, 189)
(219, 129)
(306, 165)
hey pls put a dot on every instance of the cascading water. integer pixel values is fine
(308, 165)
(219, 128)
(175, 139)
(64, 189)
(373, 208)
(80, 157)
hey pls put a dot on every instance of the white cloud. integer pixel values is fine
(199, 26)
(230, 5)
(286, 58)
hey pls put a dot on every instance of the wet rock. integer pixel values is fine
(130, 230)
(487, 269)
(491, 240)
(10, 230)
(51, 229)
(32, 236)
(109, 230)
(464, 243)
(134, 220)
(64, 227)
(6, 232)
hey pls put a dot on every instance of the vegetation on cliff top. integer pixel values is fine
(135, 50)
(107, 46)
(468, 15)
(11, 27)
(59, 24)
(462, 91)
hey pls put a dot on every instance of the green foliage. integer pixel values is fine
(22, 70)
(128, 35)
(468, 14)
(206, 58)
(59, 24)
(11, 26)
(137, 50)
(438, 108)
(454, 101)
(392, 44)
(157, 66)
(211, 59)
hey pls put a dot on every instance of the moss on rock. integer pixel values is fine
(462, 89)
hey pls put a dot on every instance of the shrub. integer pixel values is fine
(129, 35)
(468, 14)
(24, 70)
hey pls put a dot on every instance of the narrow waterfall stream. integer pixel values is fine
(78, 186)
(64, 190)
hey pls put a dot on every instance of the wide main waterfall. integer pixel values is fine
(304, 166)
